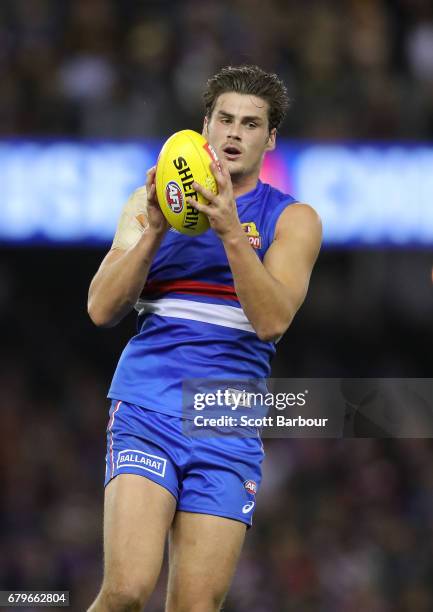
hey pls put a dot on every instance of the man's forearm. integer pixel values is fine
(263, 298)
(119, 281)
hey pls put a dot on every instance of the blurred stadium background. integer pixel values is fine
(343, 525)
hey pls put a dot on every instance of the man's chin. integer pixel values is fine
(235, 167)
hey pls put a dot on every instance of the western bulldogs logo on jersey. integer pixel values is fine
(253, 235)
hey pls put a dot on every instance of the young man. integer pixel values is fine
(209, 307)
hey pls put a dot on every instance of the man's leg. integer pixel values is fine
(137, 516)
(204, 551)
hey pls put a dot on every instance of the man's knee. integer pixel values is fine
(197, 602)
(122, 598)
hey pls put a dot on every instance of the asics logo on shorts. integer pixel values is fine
(248, 507)
(141, 460)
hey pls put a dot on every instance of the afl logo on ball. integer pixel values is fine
(174, 197)
(250, 486)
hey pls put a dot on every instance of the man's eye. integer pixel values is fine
(252, 124)
(225, 120)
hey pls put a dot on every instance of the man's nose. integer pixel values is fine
(234, 131)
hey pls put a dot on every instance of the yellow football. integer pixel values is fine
(185, 157)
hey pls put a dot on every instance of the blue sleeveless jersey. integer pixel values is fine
(190, 321)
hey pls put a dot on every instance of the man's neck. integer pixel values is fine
(243, 184)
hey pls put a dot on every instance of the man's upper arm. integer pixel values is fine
(291, 256)
(113, 255)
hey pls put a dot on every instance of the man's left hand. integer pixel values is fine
(221, 209)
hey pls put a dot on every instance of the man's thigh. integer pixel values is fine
(137, 516)
(204, 551)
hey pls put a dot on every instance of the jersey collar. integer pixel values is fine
(248, 197)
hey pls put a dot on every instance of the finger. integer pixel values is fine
(152, 191)
(206, 193)
(151, 186)
(220, 175)
(151, 176)
(204, 208)
(222, 167)
(216, 165)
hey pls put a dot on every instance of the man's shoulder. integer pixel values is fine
(300, 217)
(276, 195)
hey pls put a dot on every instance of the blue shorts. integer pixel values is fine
(212, 475)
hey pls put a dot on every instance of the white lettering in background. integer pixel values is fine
(369, 195)
(74, 191)
(67, 191)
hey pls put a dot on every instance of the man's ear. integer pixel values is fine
(205, 128)
(272, 140)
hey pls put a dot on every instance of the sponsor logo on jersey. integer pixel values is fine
(251, 486)
(248, 507)
(174, 197)
(253, 234)
(141, 460)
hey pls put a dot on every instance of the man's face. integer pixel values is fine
(239, 131)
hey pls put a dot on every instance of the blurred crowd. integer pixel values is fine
(136, 68)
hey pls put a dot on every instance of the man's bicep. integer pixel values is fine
(291, 257)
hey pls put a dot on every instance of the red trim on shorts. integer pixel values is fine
(110, 425)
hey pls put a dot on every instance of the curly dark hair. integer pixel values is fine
(250, 80)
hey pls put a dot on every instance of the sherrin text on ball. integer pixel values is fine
(184, 158)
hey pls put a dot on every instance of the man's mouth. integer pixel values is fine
(231, 152)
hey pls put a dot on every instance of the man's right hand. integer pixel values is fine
(140, 214)
(157, 222)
